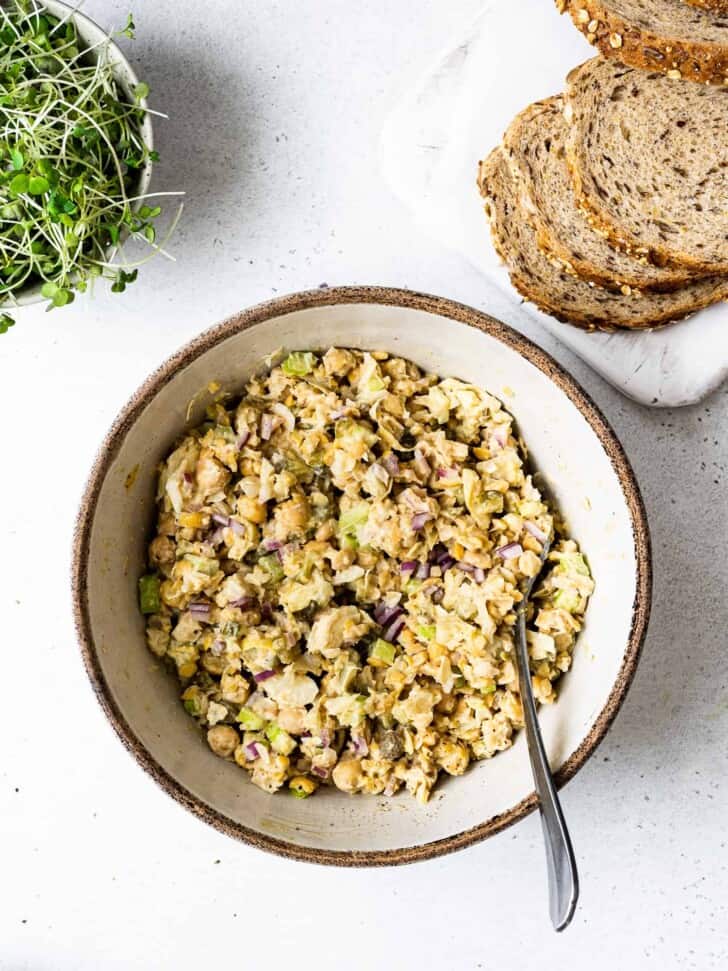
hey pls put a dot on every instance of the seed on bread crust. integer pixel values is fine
(698, 54)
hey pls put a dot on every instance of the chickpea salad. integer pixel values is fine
(337, 562)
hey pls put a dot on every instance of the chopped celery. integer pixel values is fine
(427, 633)
(383, 651)
(279, 739)
(149, 601)
(230, 629)
(299, 363)
(350, 521)
(490, 689)
(571, 563)
(568, 600)
(272, 566)
(250, 720)
(203, 564)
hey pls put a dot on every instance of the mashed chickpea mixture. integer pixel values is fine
(335, 573)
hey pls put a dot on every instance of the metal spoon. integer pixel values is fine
(560, 863)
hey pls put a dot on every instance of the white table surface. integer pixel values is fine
(276, 110)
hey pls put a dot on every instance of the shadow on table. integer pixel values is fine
(209, 147)
(678, 701)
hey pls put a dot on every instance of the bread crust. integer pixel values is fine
(489, 173)
(717, 6)
(557, 250)
(636, 47)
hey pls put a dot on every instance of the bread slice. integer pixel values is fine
(557, 292)
(719, 6)
(535, 144)
(669, 36)
(649, 163)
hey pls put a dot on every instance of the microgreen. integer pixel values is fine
(71, 151)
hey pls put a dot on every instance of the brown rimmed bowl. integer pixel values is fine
(571, 445)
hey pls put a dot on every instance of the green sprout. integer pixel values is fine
(71, 151)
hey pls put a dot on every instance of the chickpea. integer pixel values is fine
(348, 775)
(326, 530)
(252, 510)
(234, 687)
(162, 551)
(292, 517)
(292, 720)
(223, 740)
(212, 664)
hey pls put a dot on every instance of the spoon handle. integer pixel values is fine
(560, 863)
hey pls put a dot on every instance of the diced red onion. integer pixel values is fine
(360, 746)
(510, 551)
(392, 632)
(243, 437)
(419, 520)
(408, 566)
(271, 545)
(325, 738)
(200, 611)
(465, 567)
(266, 427)
(384, 615)
(534, 530)
(391, 463)
(237, 527)
(216, 537)
(305, 735)
(320, 771)
(266, 612)
(251, 751)
(446, 562)
(500, 436)
(263, 676)
(479, 575)
(447, 473)
(244, 603)
(422, 572)
(220, 520)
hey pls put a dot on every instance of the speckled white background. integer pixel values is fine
(276, 110)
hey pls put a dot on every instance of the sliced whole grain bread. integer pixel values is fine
(535, 144)
(561, 294)
(719, 6)
(649, 163)
(670, 36)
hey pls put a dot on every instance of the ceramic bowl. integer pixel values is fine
(571, 445)
(92, 34)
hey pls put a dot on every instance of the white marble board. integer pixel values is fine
(514, 53)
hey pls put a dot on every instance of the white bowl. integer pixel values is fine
(92, 34)
(570, 443)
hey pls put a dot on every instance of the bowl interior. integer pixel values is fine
(564, 449)
(93, 35)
